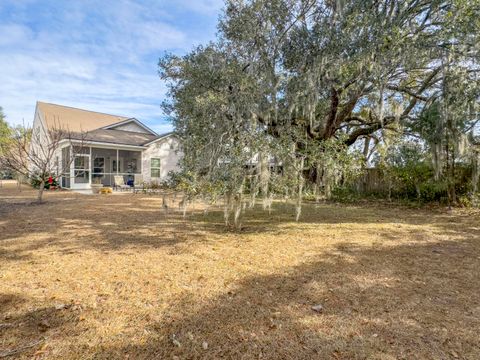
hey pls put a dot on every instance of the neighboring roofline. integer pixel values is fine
(103, 143)
(76, 108)
(126, 121)
(160, 137)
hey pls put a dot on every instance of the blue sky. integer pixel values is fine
(99, 55)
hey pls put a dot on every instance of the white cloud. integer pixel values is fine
(99, 57)
(202, 6)
(12, 34)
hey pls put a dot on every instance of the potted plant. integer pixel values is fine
(97, 185)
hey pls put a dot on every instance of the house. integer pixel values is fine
(111, 146)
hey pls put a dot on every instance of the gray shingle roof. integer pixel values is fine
(117, 137)
(120, 137)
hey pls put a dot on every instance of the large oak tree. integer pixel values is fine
(286, 77)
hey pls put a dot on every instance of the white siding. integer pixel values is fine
(167, 150)
(131, 126)
(40, 138)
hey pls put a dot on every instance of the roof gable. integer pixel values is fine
(132, 125)
(159, 138)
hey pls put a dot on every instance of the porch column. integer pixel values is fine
(90, 166)
(72, 166)
(118, 165)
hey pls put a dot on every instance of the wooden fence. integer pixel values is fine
(372, 181)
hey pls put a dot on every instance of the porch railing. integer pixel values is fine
(107, 178)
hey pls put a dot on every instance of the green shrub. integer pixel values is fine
(465, 201)
(433, 191)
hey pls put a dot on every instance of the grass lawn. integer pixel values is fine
(107, 277)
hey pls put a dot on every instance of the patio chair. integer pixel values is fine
(138, 183)
(120, 183)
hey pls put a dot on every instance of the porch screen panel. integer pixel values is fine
(129, 161)
(81, 150)
(81, 170)
(65, 167)
(103, 161)
(129, 164)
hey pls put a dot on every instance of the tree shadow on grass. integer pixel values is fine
(23, 331)
(386, 302)
(114, 223)
(102, 223)
(110, 224)
(382, 301)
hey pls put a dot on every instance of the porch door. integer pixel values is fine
(81, 171)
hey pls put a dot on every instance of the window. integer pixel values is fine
(155, 168)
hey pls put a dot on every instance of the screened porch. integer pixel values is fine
(95, 165)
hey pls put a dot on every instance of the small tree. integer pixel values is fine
(4, 137)
(4, 128)
(35, 154)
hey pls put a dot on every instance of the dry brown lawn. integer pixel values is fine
(114, 277)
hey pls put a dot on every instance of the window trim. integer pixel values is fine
(155, 167)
